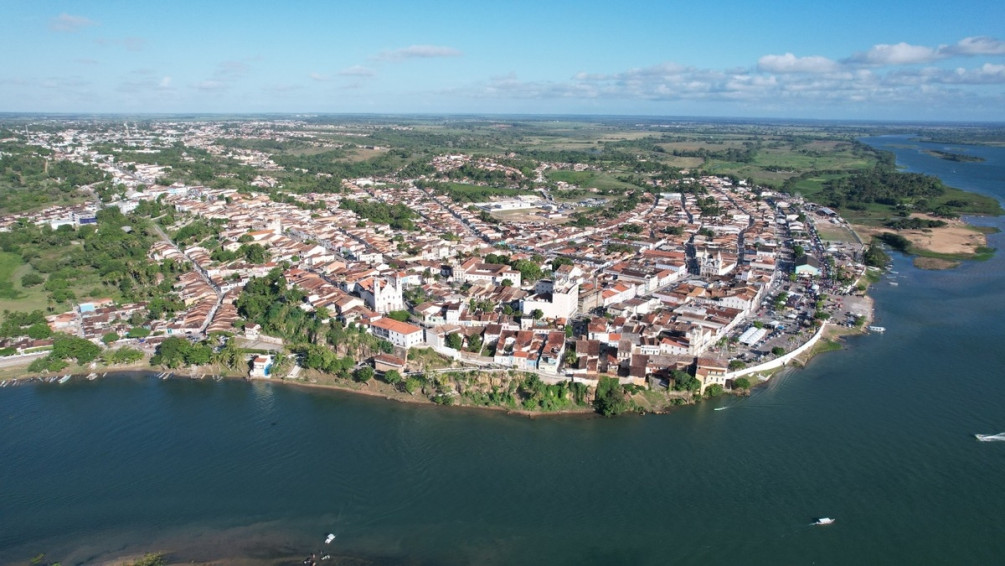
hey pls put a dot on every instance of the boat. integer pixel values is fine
(894, 283)
(991, 437)
(720, 408)
(879, 329)
(329, 538)
(64, 379)
(823, 521)
(92, 376)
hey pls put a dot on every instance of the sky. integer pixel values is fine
(853, 60)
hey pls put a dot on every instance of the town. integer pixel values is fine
(685, 282)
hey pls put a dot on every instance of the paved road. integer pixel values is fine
(15, 361)
(195, 266)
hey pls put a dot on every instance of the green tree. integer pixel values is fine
(392, 377)
(713, 390)
(778, 351)
(475, 343)
(741, 383)
(684, 381)
(109, 337)
(610, 399)
(363, 374)
(455, 341)
(39, 331)
(31, 280)
(413, 384)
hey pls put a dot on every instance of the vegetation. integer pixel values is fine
(176, 352)
(610, 399)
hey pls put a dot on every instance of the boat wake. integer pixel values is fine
(991, 437)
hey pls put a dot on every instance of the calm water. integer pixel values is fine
(879, 436)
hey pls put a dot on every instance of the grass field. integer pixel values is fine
(13, 296)
(588, 179)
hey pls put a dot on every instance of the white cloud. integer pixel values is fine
(898, 54)
(67, 23)
(789, 63)
(165, 83)
(907, 54)
(417, 52)
(319, 77)
(356, 71)
(970, 46)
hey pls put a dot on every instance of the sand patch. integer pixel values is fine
(956, 237)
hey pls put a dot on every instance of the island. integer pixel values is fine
(532, 266)
(950, 156)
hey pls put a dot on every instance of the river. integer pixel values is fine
(878, 436)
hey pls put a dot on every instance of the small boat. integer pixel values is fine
(879, 329)
(720, 408)
(894, 283)
(92, 376)
(823, 521)
(329, 538)
(991, 437)
(64, 379)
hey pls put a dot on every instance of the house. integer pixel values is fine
(710, 371)
(261, 367)
(387, 362)
(472, 271)
(401, 334)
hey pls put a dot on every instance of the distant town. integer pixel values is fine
(698, 283)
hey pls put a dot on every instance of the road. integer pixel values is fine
(15, 361)
(195, 266)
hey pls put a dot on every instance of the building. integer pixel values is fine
(401, 334)
(807, 266)
(710, 371)
(261, 366)
(553, 300)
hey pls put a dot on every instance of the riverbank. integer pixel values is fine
(937, 248)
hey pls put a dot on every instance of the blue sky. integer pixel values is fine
(837, 60)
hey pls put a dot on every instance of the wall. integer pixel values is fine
(779, 362)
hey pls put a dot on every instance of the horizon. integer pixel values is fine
(773, 120)
(727, 59)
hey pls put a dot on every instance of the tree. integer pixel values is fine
(610, 399)
(392, 377)
(713, 390)
(475, 343)
(455, 341)
(736, 364)
(363, 374)
(569, 357)
(741, 383)
(412, 385)
(31, 280)
(684, 381)
(109, 338)
(39, 331)
(537, 314)
(778, 350)
(138, 332)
